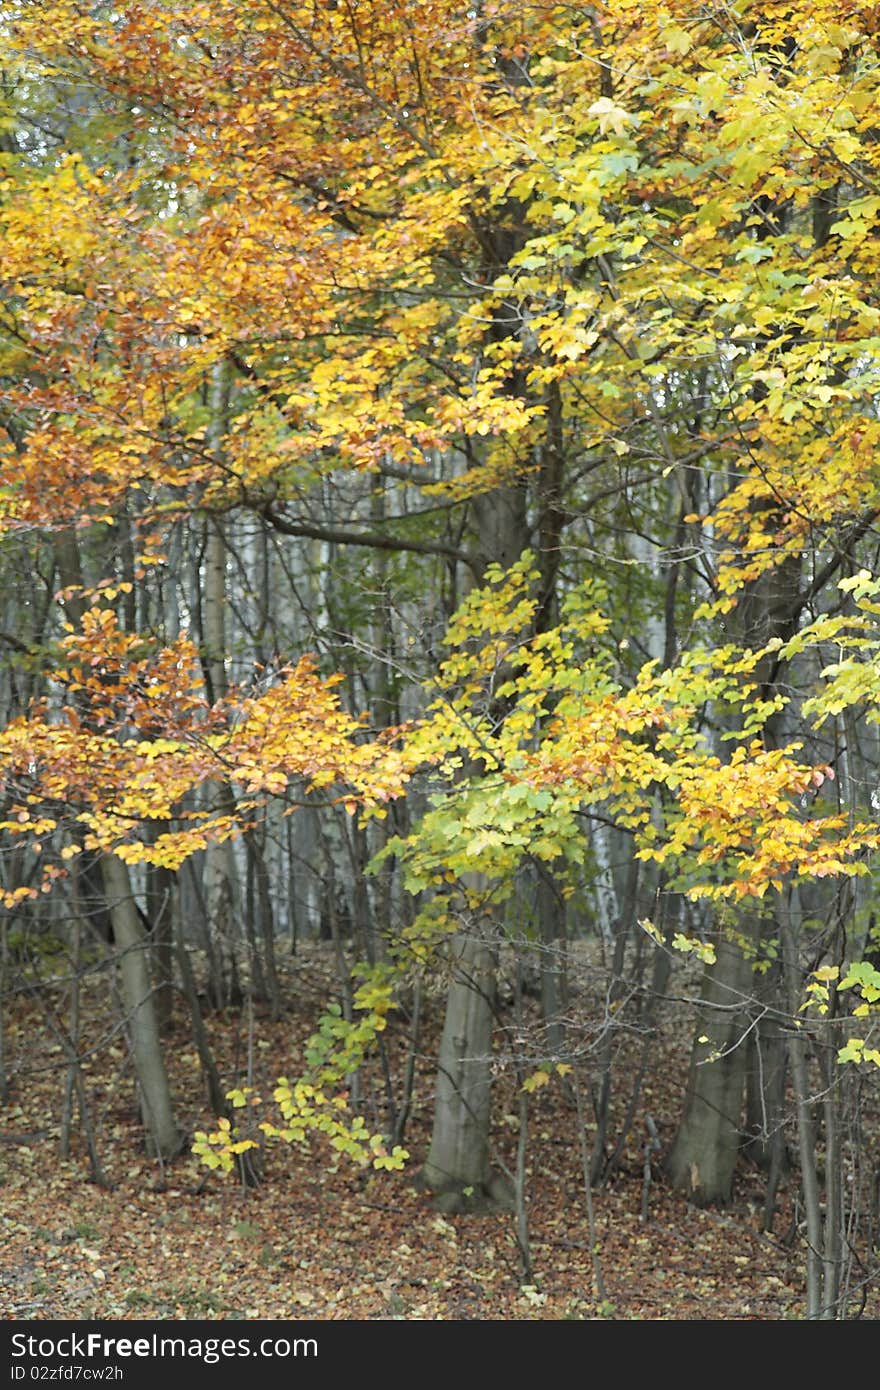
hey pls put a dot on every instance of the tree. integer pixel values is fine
(565, 320)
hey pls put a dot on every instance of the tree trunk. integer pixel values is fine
(164, 1138)
(457, 1169)
(709, 1138)
(550, 912)
(710, 1135)
(161, 908)
(4, 960)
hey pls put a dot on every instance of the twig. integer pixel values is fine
(652, 1146)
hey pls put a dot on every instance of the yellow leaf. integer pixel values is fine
(536, 1080)
(675, 40)
(610, 116)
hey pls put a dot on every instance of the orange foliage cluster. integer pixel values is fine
(319, 198)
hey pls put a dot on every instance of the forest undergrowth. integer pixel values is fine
(320, 1238)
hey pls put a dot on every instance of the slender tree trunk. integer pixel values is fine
(74, 1083)
(520, 1195)
(161, 900)
(550, 912)
(622, 931)
(220, 880)
(261, 895)
(4, 984)
(797, 1047)
(765, 1091)
(73, 1066)
(834, 1240)
(409, 1076)
(210, 1073)
(221, 916)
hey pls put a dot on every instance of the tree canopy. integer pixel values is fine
(438, 450)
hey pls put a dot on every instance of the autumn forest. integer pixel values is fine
(439, 659)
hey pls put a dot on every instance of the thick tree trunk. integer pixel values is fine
(164, 1138)
(457, 1169)
(709, 1138)
(711, 1132)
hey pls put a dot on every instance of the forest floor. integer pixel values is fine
(321, 1239)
